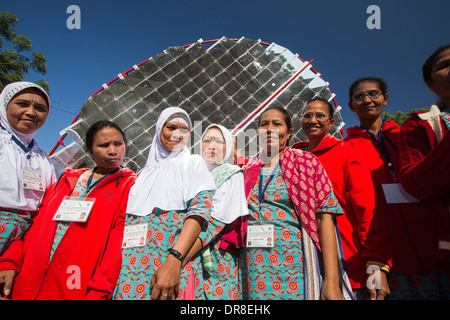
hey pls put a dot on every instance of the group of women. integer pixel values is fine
(199, 227)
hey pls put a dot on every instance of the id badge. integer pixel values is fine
(135, 236)
(394, 193)
(260, 236)
(71, 210)
(32, 180)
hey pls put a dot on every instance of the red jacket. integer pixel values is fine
(411, 227)
(425, 173)
(87, 262)
(363, 237)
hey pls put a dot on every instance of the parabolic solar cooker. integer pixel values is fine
(225, 81)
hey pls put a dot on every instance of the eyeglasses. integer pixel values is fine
(320, 117)
(371, 94)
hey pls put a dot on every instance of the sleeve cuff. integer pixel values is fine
(383, 267)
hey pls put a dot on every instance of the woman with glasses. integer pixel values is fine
(363, 239)
(411, 231)
(425, 144)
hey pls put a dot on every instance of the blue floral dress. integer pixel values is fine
(140, 263)
(221, 279)
(276, 273)
(445, 114)
(221, 272)
(13, 224)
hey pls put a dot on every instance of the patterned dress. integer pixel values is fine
(140, 263)
(13, 224)
(221, 273)
(445, 114)
(221, 279)
(276, 273)
(419, 286)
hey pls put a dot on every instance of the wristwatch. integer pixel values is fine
(177, 254)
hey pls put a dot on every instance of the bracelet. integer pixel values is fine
(176, 254)
(382, 266)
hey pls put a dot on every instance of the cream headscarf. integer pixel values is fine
(227, 136)
(13, 158)
(169, 179)
(229, 201)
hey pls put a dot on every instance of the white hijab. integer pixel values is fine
(13, 158)
(169, 179)
(6, 96)
(229, 201)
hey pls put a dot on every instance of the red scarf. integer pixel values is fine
(308, 186)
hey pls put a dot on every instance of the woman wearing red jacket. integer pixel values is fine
(425, 145)
(73, 249)
(411, 226)
(363, 238)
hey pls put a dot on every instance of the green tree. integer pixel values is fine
(16, 57)
(399, 117)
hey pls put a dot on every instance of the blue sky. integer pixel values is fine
(115, 35)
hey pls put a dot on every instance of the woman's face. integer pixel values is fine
(174, 136)
(440, 76)
(316, 120)
(273, 132)
(372, 103)
(27, 111)
(213, 146)
(108, 149)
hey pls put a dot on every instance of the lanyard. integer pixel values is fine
(380, 141)
(89, 187)
(262, 191)
(25, 149)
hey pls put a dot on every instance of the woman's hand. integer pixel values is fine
(377, 285)
(165, 282)
(7, 279)
(330, 291)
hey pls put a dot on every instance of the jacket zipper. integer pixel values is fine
(64, 236)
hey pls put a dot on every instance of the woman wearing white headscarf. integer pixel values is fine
(26, 170)
(169, 207)
(220, 262)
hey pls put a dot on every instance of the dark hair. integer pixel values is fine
(287, 117)
(96, 127)
(327, 103)
(380, 82)
(431, 61)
